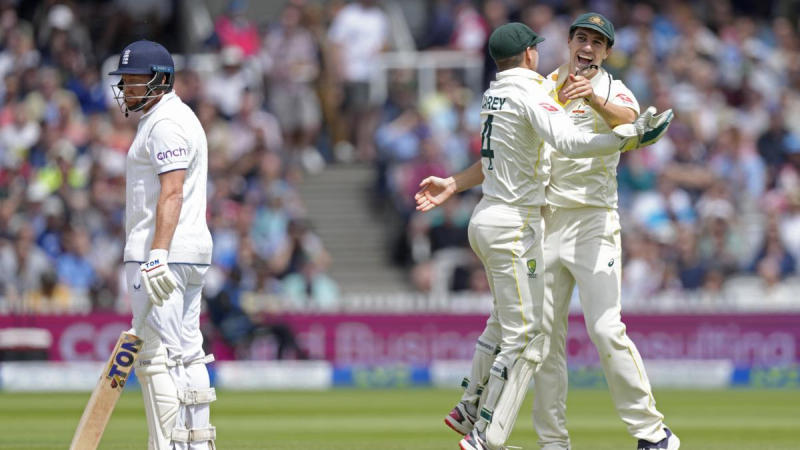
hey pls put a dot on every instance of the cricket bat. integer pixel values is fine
(105, 395)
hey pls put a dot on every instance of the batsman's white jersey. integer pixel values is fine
(582, 245)
(505, 231)
(169, 137)
(171, 365)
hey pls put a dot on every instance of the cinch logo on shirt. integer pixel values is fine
(178, 152)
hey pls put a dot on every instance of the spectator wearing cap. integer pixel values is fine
(226, 87)
(59, 31)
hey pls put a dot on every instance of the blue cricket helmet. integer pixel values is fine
(145, 58)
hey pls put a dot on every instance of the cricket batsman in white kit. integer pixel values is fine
(167, 249)
(582, 246)
(505, 231)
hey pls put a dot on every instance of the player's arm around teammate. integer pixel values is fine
(505, 229)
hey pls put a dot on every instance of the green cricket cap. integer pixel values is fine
(511, 39)
(596, 22)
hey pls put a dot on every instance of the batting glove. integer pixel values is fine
(646, 130)
(157, 278)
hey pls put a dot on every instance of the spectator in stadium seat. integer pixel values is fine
(58, 31)
(450, 230)
(772, 145)
(398, 140)
(691, 268)
(270, 225)
(734, 159)
(661, 210)
(227, 87)
(89, 90)
(234, 28)
(789, 225)
(50, 297)
(311, 287)
(470, 30)
(439, 25)
(239, 330)
(22, 264)
(359, 32)
(291, 60)
(45, 101)
(19, 52)
(718, 241)
(252, 127)
(18, 136)
(73, 266)
(406, 176)
(773, 259)
(301, 245)
(541, 17)
(218, 135)
(189, 88)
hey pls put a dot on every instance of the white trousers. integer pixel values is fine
(582, 246)
(508, 241)
(176, 323)
(172, 340)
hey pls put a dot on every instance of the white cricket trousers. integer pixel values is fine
(507, 240)
(583, 246)
(174, 378)
(177, 322)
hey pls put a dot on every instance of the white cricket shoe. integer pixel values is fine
(671, 442)
(473, 441)
(460, 420)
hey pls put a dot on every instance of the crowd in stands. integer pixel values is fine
(717, 198)
(63, 145)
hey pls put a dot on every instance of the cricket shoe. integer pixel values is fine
(473, 441)
(671, 442)
(460, 420)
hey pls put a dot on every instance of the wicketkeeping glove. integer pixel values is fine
(156, 277)
(646, 130)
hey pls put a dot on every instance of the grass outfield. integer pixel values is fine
(410, 419)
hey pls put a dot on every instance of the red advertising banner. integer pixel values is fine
(746, 339)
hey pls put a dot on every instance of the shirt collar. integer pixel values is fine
(164, 99)
(519, 72)
(563, 71)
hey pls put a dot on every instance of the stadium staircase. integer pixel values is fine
(340, 209)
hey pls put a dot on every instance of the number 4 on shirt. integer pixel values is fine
(486, 141)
